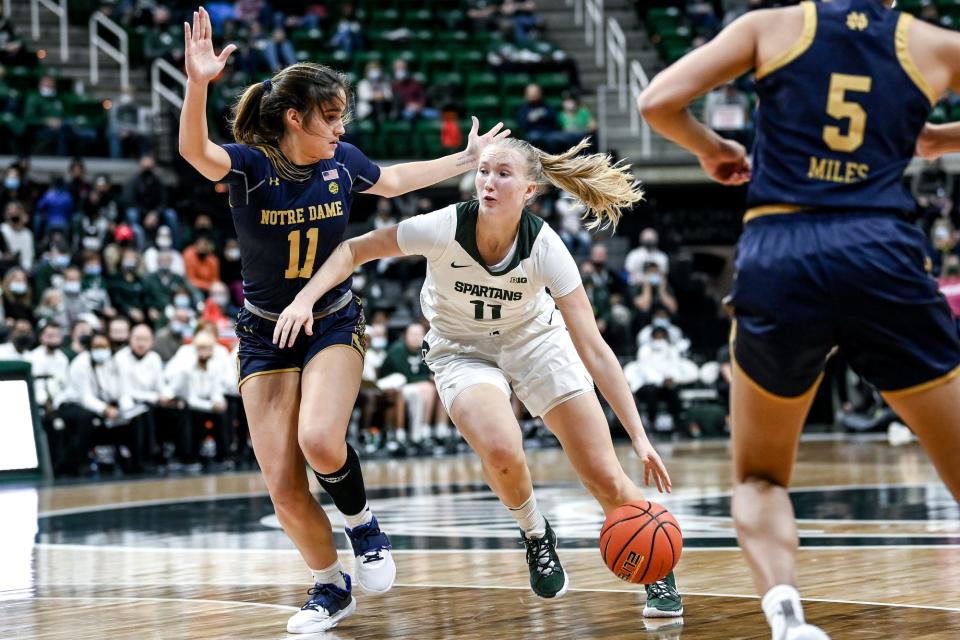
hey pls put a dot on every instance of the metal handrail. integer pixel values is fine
(593, 28)
(577, 11)
(58, 9)
(7, 10)
(638, 81)
(617, 61)
(121, 55)
(159, 90)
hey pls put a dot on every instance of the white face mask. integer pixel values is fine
(379, 343)
(232, 254)
(222, 301)
(18, 288)
(99, 356)
(48, 92)
(181, 301)
(164, 243)
(71, 287)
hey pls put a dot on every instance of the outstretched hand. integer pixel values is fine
(477, 143)
(202, 63)
(653, 465)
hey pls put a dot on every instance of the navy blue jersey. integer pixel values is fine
(839, 114)
(288, 229)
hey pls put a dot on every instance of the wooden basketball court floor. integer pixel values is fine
(203, 557)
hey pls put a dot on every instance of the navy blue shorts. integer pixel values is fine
(807, 282)
(259, 356)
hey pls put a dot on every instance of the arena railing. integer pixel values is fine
(617, 61)
(638, 81)
(593, 27)
(161, 68)
(97, 43)
(58, 9)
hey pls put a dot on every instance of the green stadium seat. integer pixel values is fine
(553, 83)
(486, 107)
(514, 83)
(385, 19)
(939, 114)
(418, 19)
(397, 138)
(483, 83)
(468, 61)
(437, 61)
(427, 139)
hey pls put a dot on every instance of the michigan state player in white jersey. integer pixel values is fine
(507, 310)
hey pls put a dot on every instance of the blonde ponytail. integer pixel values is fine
(605, 188)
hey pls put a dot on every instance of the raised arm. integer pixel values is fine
(402, 178)
(348, 255)
(607, 374)
(203, 65)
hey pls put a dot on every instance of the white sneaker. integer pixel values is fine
(805, 632)
(375, 568)
(327, 606)
(899, 434)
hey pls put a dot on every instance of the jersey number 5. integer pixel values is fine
(293, 269)
(842, 109)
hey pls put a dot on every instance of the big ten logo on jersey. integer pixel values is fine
(518, 280)
(629, 566)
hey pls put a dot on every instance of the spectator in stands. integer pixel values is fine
(95, 285)
(51, 265)
(196, 380)
(29, 190)
(17, 296)
(142, 368)
(943, 238)
(78, 185)
(49, 366)
(230, 270)
(54, 210)
(932, 181)
(661, 320)
(727, 111)
(419, 391)
(348, 36)
(13, 189)
(576, 123)
(536, 119)
(74, 303)
(15, 54)
(80, 334)
(409, 96)
(570, 212)
(612, 279)
(52, 308)
(126, 288)
(160, 287)
(163, 245)
(91, 227)
(21, 340)
(201, 264)
(377, 401)
(220, 296)
(118, 331)
(127, 135)
(374, 95)
(145, 195)
(170, 338)
(17, 235)
(653, 291)
(98, 395)
(483, 15)
(522, 16)
(648, 251)
(45, 115)
(949, 282)
(278, 51)
(660, 367)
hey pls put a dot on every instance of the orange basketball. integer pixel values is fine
(641, 542)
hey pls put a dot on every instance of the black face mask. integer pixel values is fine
(118, 344)
(22, 342)
(85, 341)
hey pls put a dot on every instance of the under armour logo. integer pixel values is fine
(857, 21)
(274, 182)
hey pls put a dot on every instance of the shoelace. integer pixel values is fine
(319, 591)
(661, 589)
(374, 555)
(539, 548)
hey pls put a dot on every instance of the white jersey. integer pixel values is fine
(464, 297)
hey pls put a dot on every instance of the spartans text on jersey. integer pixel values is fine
(484, 291)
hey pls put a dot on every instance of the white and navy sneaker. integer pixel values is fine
(375, 568)
(327, 606)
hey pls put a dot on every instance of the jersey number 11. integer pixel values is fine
(293, 269)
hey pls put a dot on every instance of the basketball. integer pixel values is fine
(641, 542)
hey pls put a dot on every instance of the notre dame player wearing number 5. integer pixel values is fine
(291, 184)
(827, 257)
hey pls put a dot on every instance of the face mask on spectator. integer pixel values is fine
(379, 342)
(22, 342)
(661, 322)
(359, 282)
(129, 265)
(100, 356)
(18, 288)
(71, 287)
(91, 243)
(941, 233)
(164, 242)
(118, 344)
(181, 301)
(85, 340)
(232, 254)
(60, 261)
(400, 74)
(374, 74)
(659, 344)
(202, 253)
(221, 300)
(12, 183)
(93, 269)
(655, 280)
(53, 347)
(48, 92)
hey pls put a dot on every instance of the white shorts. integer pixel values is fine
(538, 360)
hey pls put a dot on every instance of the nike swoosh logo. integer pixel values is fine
(459, 266)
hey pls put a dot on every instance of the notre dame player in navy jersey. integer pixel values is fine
(291, 183)
(827, 257)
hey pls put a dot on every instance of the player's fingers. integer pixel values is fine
(474, 126)
(196, 26)
(495, 128)
(500, 136)
(205, 20)
(227, 50)
(293, 332)
(308, 326)
(646, 475)
(278, 328)
(186, 36)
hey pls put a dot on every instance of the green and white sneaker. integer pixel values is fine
(663, 599)
(547, 577)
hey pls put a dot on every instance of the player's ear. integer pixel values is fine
(530, 192)
(292, 118)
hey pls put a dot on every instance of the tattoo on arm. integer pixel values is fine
(465, 158)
